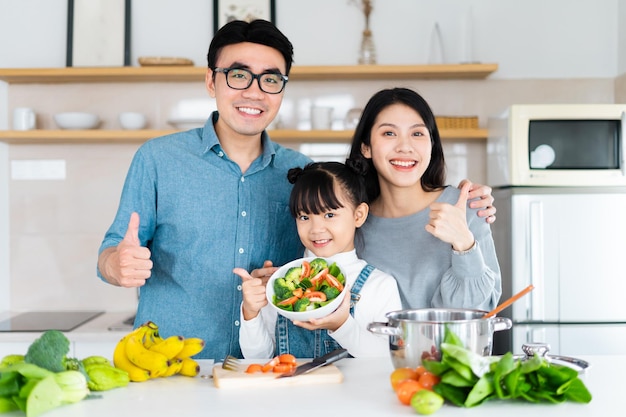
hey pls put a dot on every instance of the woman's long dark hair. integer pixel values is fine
(434, 176)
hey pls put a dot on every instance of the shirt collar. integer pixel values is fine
(212, 142)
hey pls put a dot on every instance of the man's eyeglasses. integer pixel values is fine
(240, 79)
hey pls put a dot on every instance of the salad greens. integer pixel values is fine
(309, 286)
(469, 379)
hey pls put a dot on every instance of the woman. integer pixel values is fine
(420, 230)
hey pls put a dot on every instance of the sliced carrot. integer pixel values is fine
(254, 367)
(270, 365)
(281, 368)
(287, 358)
(298, 292)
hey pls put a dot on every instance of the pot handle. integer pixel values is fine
(384, 328)
(501, 323)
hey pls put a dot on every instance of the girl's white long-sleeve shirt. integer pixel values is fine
(379, 295)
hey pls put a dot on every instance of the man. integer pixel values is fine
(196, 204)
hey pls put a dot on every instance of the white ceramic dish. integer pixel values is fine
(77, 120)
(132, 120)
(185, 124)
(303, 315)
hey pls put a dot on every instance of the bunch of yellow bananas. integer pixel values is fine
(144, 354)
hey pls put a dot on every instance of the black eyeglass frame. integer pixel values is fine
(225, 71)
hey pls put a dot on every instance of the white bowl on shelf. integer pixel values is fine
(130, 120)
(77, 120)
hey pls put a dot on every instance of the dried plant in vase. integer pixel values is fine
(367, 53)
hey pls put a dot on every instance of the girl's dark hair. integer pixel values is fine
(435, 175)
(258, 31)
(314, 187)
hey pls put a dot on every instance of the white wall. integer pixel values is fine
(621, 44)
(528, 39)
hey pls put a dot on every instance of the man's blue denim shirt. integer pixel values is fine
(200, 218)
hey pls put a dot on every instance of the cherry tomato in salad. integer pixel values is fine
(316, 296)
(334, 282)
(306, 269)
(320, 276)
(288, 301)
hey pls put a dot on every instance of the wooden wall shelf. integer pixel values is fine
(139, 136)
(191, 73)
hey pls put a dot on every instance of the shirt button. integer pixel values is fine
(243, 214)
(239, 287)
(220, 154)
(236, 322)
(241, 250)
(242, 179)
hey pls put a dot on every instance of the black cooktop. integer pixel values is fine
(39, 321)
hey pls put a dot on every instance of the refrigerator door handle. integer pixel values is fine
(537, 266)
(623, 143)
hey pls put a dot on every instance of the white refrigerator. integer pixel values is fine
(570, 243)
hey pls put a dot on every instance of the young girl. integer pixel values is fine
(447, 253)
(329, 202)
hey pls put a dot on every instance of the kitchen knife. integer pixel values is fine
(305, 368)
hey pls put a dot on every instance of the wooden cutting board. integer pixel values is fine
(223, 378)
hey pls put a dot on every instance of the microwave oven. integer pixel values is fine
(557, 145)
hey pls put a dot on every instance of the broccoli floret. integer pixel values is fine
(317, 265)
(293, 274)
(49, 351)
(283, 288)
(301, 304)
(331, 292)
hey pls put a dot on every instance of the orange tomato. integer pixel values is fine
(402, 374)
(420, 370)
(406, 389)
(428, 380)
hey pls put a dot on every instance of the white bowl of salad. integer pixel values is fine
(306, 288)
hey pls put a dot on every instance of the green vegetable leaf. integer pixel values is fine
(456, 395)
(577, 391)
(481, 391)
(452, 377)
(503, 367)
(435, 367)
(44, 396)
(9, 385)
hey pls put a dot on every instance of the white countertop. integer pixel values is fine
(95, 330)
(365, 392)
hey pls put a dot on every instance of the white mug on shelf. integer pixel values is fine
(321, 118)
(24, 118)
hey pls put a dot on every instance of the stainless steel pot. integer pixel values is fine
(416, 334)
